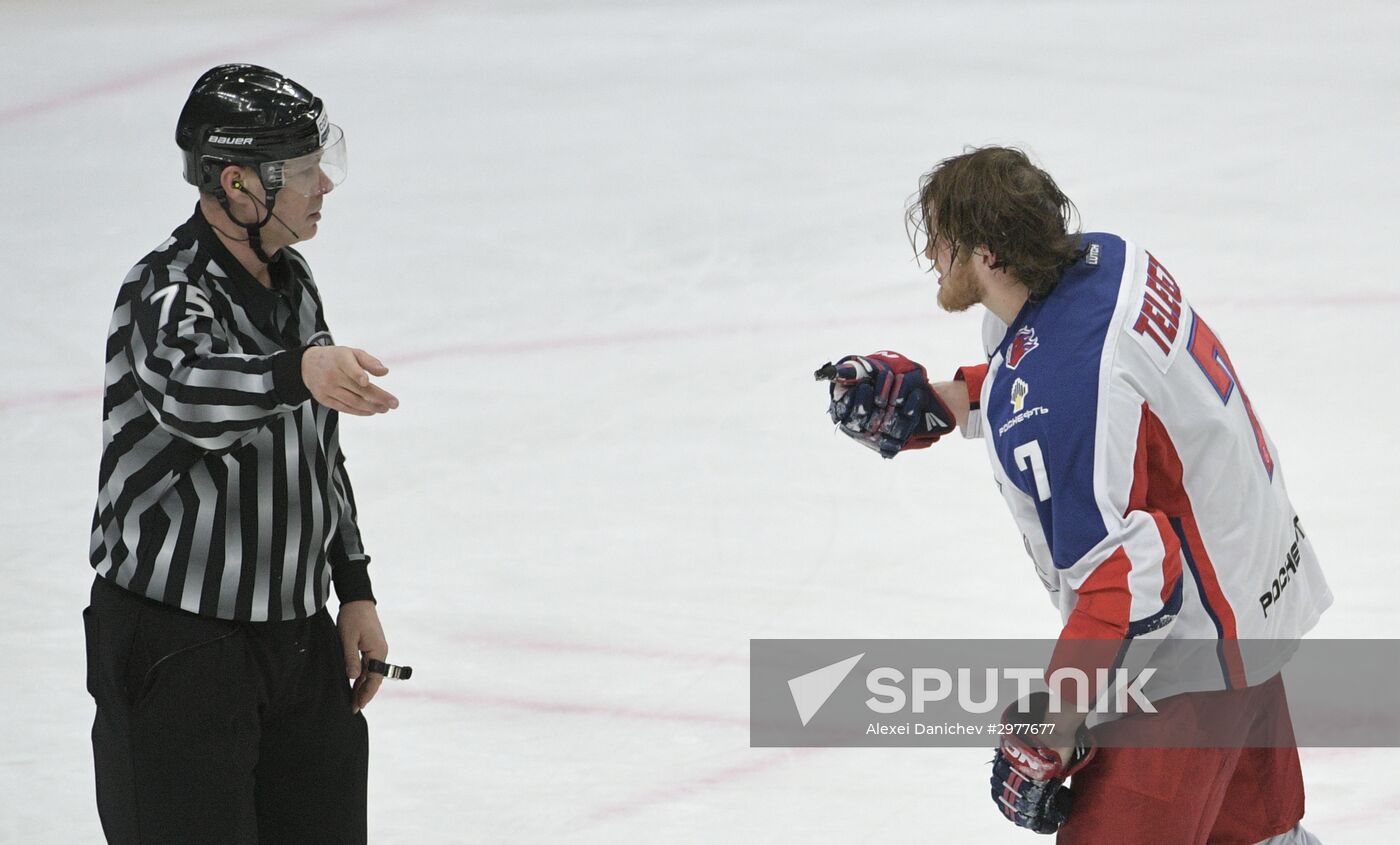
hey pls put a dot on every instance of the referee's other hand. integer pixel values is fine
(362, 637)
(338, 377)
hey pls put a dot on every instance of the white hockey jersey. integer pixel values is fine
(1150, 497)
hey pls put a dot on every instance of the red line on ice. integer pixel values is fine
(199, 61)
(642, 336)
(649, 798)
(562, 647)
(49, 398)
(564, 708)
(699, 783)
(556, 344)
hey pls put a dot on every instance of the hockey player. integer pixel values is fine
(224, 511)
(1150, 497)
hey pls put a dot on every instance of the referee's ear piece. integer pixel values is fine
(237, 185)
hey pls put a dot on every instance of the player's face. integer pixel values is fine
(958, 286)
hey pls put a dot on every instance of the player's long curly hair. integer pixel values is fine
(995, 197)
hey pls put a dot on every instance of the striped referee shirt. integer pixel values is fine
(222, 488)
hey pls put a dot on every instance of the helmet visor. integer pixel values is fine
(312, 174)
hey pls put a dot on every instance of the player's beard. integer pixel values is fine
(959, 289)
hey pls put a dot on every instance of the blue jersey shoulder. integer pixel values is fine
(1042, 407)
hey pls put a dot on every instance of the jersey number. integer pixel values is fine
(195, 301)
(1028, 457)
(1214, 361)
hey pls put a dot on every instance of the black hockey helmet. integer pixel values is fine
(242, 114)
(249, 115)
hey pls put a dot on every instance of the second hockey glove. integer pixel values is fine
(884, 401)
(1028, 777)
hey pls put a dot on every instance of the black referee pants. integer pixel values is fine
(218, 732)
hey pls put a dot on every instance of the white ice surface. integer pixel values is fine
(602, 246)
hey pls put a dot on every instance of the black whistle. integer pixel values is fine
(389, 670)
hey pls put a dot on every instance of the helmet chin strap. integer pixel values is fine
(254, 230)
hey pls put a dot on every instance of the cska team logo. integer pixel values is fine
(1021, 345)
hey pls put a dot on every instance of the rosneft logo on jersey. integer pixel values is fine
(1019, 389)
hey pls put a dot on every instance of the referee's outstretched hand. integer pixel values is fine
(338, 377)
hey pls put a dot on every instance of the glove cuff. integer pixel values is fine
(1040, 761)
(972, 378)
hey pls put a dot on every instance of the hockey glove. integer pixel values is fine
(884, 401)
(1028, 777)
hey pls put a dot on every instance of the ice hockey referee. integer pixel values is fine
(225, 708)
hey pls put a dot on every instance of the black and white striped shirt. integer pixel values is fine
(222, 488)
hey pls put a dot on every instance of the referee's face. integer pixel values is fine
(298, 212)
(305, 206)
